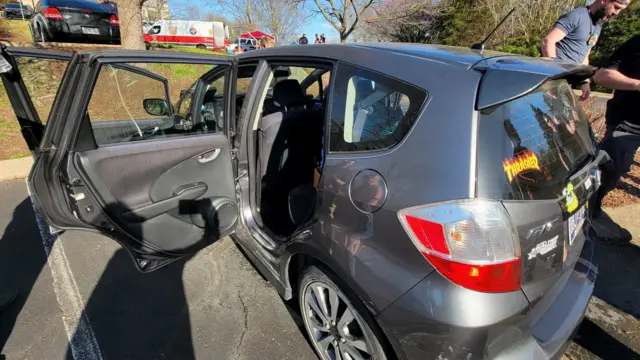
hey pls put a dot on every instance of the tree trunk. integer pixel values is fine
(131, 34)
(343, 38)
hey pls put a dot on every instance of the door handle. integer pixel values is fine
(208, 156)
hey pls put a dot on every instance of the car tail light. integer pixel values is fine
(473, 243)
(114, 20)
(52, 13)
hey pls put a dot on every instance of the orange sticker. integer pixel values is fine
(526, 161)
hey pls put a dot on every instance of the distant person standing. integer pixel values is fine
(303, 40)
(577, 31)
(622, 138)
(111, 5)
(317, 39)
(323, 39)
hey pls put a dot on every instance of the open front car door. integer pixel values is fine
(136, 147)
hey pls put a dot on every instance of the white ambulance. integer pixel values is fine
(201, 34)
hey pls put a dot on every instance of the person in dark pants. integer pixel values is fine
(6, 298)
(576, 32)
(622, 137)
(303, 40)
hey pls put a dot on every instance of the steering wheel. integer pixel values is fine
(209, 115)
(214, 115)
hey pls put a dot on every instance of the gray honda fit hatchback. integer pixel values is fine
(426, 203)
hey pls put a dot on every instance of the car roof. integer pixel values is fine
(451, 55)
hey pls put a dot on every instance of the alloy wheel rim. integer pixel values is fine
(331, 323)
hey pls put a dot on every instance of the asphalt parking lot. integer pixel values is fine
(81, 298)
(212, 306)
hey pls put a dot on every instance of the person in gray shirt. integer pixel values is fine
(577, 31)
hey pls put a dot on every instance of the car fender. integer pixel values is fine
(312, 254)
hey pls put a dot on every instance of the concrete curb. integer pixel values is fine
(15, 168)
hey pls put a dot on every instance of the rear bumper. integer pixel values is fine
(437, 319)
(58, 30)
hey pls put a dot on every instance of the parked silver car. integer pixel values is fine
(418, 202)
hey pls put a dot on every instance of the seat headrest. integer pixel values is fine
(364, 88)
(210, 95)
(289, 93)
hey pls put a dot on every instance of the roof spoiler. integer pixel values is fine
(508, 78)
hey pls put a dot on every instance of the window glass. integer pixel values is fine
(371, 111)
(135, 102)
(154, 30)
(184, 104)
(42, 78)
(529, 147)
(245, 76)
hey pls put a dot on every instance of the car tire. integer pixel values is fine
(201, 47)
(337, 329)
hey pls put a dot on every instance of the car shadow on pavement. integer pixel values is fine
(633, 178)
(22, 258)
(628, 188)
(140, 316)
(598, 342)
(618, 282)
(133, 315)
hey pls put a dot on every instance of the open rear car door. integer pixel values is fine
(118, 157)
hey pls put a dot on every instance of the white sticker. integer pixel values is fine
(543, 247)
(575, 223)
(587, 183)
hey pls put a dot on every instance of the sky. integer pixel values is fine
(316, 24)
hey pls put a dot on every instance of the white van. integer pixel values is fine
(201, 34)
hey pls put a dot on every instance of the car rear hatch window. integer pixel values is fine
(536, 154)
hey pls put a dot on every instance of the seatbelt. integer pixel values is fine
(364, 109)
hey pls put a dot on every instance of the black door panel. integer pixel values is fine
(162, 194)
(166, 192)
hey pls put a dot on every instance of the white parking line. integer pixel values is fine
(82, 340)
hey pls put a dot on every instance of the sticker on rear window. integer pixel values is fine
(570, 198)
(526, 161)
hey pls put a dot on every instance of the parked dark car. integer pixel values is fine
(14, 11)
(419, 202)
(75, 21)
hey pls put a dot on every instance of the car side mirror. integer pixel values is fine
(156, 107)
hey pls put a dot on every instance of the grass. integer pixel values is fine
(19, 155)
(15, 30)
(187, 49)
(42, 78)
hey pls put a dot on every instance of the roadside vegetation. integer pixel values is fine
(15, 30)
(448, 22)
(42, 78)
